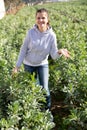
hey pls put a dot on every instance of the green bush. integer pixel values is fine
(26, 101)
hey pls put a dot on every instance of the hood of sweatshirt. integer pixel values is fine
(49, 30)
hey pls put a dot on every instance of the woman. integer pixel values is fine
(40, 42)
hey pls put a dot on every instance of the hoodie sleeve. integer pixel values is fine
(54, 49)
(23, 51)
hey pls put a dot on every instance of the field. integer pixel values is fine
(20, 99)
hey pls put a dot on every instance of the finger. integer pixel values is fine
(66, 54)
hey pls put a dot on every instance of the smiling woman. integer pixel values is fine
(40, 42)
(42, 20)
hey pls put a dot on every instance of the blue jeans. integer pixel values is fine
(43, 74)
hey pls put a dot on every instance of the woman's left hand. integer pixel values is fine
(64, 52)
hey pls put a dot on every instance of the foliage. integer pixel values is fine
(19, 96)
(25, 103)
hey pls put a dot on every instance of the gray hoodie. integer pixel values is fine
(37, 47)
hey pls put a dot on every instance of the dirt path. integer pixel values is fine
(59, 111)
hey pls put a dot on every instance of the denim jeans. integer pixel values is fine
(42, 72)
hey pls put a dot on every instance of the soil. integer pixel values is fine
(59, 110)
